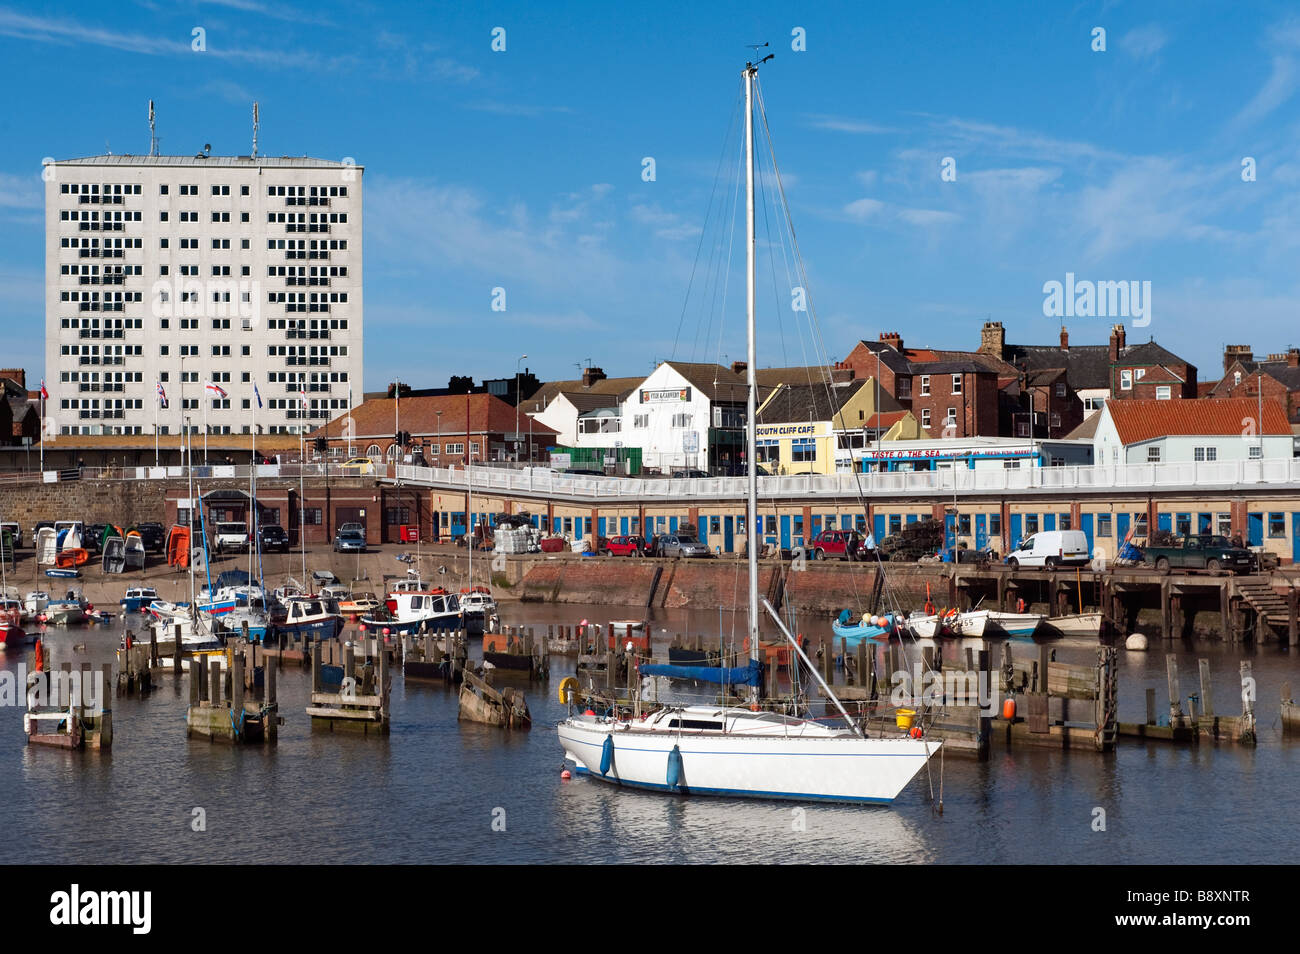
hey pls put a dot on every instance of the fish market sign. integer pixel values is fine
(665, 396)
(816, 429)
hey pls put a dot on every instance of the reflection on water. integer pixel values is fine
(428, 791)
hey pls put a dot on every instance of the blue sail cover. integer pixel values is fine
(748, 675)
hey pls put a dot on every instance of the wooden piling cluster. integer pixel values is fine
(138, 666)
(223, 699)
(361, 703)
(427, 656)
(480, 701)
(517, 649)
(1200, 717)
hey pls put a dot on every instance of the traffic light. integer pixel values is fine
(402, 437)
(322, 445)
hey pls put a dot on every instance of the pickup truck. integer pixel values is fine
(1209, 552)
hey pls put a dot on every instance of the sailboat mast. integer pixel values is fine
(751, 404)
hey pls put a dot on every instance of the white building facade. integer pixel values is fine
(670, 418)
(176, 272)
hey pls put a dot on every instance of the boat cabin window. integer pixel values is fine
(694, 724)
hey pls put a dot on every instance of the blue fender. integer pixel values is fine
(675, 768)
(607, 755)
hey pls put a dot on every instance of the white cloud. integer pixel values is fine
(1143, 42)
(863, 209)
(847, 125)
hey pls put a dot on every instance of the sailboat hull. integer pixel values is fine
(833, 769)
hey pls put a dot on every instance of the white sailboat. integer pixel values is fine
(716, 750)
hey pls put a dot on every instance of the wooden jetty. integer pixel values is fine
(70, 709)
(361, 704)
(480, 701)
(221, 709)
(1260, 607)
(138, 665)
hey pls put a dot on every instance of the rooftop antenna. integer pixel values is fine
(255, 130)
(153, 138)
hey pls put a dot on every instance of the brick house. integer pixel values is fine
(1278, 376)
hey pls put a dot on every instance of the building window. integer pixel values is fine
(1104, 522)
(1065, 522)
(1126, 380)
(767, 451)
(1031, 523)
(1277, 525)
(925, 417)
(1256, 452)
(951, 419)
(995, 524)
(312, 516)
(803, 451)
(641, 420)
(925, 385)
(956, 384)
(963, 524)
(456, 449)
(1224, 523)
(895, 523)
(1060, 389)
(1163, 393)
(1153, 455)
(681, 420)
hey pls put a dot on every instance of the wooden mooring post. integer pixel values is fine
(220, 709)
(362, 702)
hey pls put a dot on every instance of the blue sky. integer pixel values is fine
(522, 169)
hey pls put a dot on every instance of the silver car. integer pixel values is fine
(679, 545)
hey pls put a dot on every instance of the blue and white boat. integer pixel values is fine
(410, 612)
(138, 599)
(309, 616)
(868, 627)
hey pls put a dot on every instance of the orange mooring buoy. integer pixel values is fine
(566, 775)
(916, 731)
(1009, 709)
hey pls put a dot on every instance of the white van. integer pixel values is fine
(1052, 548)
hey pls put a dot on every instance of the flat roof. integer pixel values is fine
(126, 159)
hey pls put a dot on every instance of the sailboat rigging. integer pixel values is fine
(727, 750)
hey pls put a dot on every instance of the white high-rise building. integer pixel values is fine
(174, 273)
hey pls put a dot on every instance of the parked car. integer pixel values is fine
(93, 538)
(153, 535)
(1051, 548)
(351, 526)
(272, 537)
(231, 536)
(349, 541)
(1206, 551)
(690, 473)
(835, 545)
(358, 466)
(629, 546)
(679, 545)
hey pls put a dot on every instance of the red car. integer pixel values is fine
(632, 546)
(835, 544)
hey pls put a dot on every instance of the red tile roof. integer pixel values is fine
(487, 414)
(1145, 420)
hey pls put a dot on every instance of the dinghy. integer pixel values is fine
(134, 551)
(178, 546)
(114, 555)
(47, 546)
(73, 557)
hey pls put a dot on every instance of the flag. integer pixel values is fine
(257, 394)
(162, 395)
(45, 395)
(216, 389)
(304, 398)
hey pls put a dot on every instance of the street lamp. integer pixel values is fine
(517, 398)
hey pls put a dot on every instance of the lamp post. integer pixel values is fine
(439, 416)
(517, 397)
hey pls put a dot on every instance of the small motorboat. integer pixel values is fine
(435, 611)
(63, 573)
(34, 604)
(114, 555)
(308, 616)
(47, 546)
(11, 630)
(137, 599)
(868, 627)
(67, 611)
(360, 604)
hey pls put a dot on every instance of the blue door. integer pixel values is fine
(981, 531)
(1016, 521)
(600, 526)
(458, 524)
(1121, 529)
(817, 525)
(1255, 529)
(622, 525)
(577, 528)
(729, 534)
(913, 517)
(1204, 522)
(672, 524)
(846, 521)
(878, 527)
(949, 529)
(1164, 521)
(1085, 524)
(703, 530)
(785, 531)
(1049, 521)
(1295, 537)
(536, 520)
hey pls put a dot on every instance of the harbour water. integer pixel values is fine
(439, 791)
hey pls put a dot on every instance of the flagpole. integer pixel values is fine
(157, 404)
(42, 427)
(206, 399)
